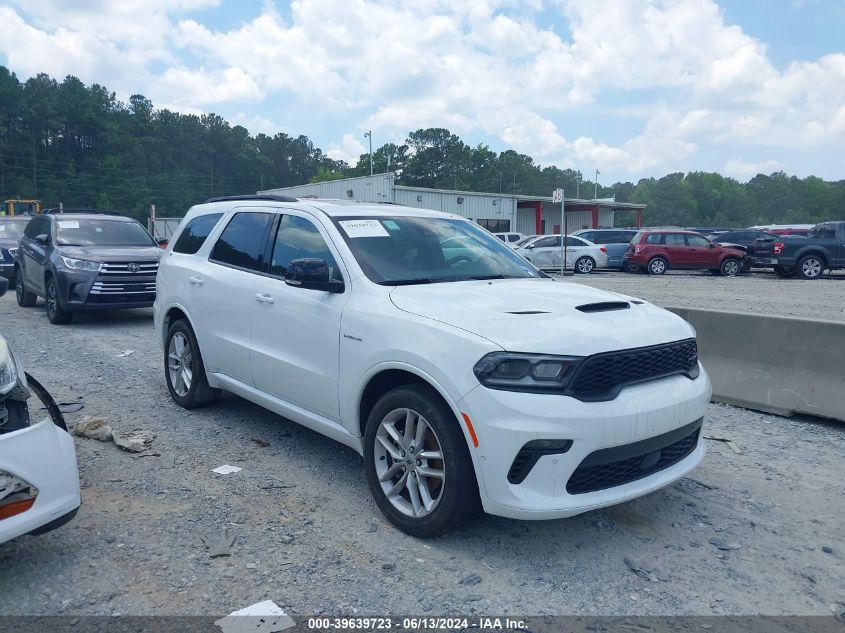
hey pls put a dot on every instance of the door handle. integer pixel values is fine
(196, 281)
(265, 298)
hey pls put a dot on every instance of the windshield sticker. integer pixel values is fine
(363, 228)
(391, 225)
(72, 224)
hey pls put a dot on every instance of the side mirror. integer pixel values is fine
(162, 242)
(4, 285)
(712, 245)
(530, 246)
(42, 238)
(312, 274)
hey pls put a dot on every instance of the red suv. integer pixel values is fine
(657, 251)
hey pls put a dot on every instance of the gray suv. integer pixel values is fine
(85, 261)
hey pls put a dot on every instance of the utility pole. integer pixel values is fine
(596, 190)
(369, 134)
(578, 185)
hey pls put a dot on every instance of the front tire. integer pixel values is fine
(810, 267)
(585, 265)
(417, 462)
(25, 298)
(731, 267)
(657, 266)
(184, 370)
(56, 314)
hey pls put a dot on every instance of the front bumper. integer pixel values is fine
(506, 421)
(44, 456)
(79, 292)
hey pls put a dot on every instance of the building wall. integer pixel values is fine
(475, 206)
(377, 188)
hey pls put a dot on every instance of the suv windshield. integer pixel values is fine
(414, 250)
(101, 233)
(11, 230)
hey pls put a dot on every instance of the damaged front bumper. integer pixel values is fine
(43, 456)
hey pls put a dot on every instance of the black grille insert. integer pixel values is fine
(602, 376)
(530, 454)
(619, 465)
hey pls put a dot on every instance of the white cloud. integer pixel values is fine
(479, 67)
(349, 149)
(743, 170)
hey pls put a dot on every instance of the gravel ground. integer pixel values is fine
(309, 537)
(760, 292)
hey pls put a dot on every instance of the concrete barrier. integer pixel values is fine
(775, 364)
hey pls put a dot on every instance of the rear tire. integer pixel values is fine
(585, 265)
(810, 267)
(657, 266)
(56, 314)
(730, 267)
(184, 370)
(414, 419)
(25, 298)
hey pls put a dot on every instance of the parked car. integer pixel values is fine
(658, 251)
(525, 240)
(745, 239)
(510, 238)
(39, 479)
(464, 380)
(807, 257)
(783, 229)
(615, 241)
(85, 261)
(11, 230)
(708, 230)
(581, 256)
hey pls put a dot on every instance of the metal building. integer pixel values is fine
(501, 212)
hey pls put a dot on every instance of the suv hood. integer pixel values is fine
(549, 322)
(111, 253)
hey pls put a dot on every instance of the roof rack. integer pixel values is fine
(58, 211)
(260, 196)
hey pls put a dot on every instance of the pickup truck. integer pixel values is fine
(806, 257)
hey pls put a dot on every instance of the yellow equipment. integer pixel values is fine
(21, 207)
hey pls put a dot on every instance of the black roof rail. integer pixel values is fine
(260, 196)
(57, 211)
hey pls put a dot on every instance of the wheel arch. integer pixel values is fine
(812, 251)
(175, 313)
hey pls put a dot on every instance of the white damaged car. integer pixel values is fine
(39, 480)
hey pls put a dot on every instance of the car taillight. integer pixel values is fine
(638, 248)
(603, 249)
(778, 248)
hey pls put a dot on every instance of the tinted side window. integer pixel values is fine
(35, 227)
(298, 238)
(674, 239)
(194, 234)
(574, 241)
(596, 237)
(547, 242)
(698, 242)
(242, 242)
(654, 238)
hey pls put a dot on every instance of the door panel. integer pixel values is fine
(296, 331)
(700, 254)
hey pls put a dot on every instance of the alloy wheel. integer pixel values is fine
(811, 267)
(179, 364)
(52, 298)
(409, 463)
(585, 265)
(657, 266)
(731, 268)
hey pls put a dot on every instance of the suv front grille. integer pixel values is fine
(124, 282)
(602, 377)
(619, 465)
(128, 268)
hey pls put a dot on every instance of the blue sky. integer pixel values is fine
(634, 88)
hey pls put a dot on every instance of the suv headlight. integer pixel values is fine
(8, 368)
(80, 264)
(538, 373)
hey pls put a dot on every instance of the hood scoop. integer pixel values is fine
(604, 306)
(529, 312)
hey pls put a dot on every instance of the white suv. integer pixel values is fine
(465, 377)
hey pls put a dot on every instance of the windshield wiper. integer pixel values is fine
(482, 277)
(407, 282)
